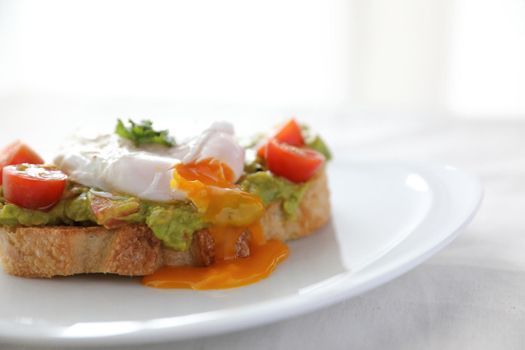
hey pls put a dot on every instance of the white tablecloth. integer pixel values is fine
(471, 295)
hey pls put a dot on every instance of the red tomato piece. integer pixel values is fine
(295, 164)
(289, 133)
(31, 186)
(18, 153)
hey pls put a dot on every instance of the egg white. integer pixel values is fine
(113, 164)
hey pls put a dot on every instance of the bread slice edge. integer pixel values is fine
(133, 250)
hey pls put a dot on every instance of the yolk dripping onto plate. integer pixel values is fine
(209, 184)
(223, 274)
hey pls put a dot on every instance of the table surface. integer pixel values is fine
(471, 295)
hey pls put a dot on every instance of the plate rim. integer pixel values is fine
(205, 324)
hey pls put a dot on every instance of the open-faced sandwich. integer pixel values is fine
(203, 213)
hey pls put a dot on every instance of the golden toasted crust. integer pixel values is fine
(133, 250)
(52, 251)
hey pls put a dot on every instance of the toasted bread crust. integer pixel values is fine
(52, 251)
(133, 250)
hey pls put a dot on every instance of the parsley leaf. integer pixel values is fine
(315, 142)
(142, 133)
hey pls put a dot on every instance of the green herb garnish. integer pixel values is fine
(142, 133)
(318, 144)
(315, 142)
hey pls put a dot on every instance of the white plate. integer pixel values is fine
(387, 218)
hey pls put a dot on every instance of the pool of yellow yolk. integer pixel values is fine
(222, 274)
(209, 184)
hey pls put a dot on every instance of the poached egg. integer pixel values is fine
(114, 164)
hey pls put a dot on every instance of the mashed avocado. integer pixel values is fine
(272, 188)
(78, 209)
(11, 215)
(65, 212)
(174, 224)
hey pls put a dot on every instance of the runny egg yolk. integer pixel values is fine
(223, 274)
(231, 212)
(209, 185)
(208, 172)
(227, 272)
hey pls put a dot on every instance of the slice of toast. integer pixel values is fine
(133, 250)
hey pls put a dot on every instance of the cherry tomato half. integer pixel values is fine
(289, 133)
(295, 164)
(18, 153)
(33, 186)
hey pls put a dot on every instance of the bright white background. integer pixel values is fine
(463, 57)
